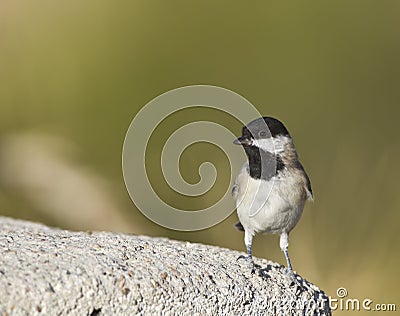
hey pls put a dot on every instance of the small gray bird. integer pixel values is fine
(272, 187)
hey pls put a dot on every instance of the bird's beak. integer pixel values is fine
(242, 141)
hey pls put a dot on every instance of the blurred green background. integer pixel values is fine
(73, 74)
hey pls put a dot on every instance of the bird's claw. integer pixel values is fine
(289, 273)
(250, 261)
(242, 257)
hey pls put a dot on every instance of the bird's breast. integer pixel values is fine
(270, 206)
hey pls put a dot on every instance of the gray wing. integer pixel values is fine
(235, 190)
(235, 187)
(239, 226)
(308, 182)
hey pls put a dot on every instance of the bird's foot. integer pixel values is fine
(288, 272)
(250, 262)
(293, 277)
(242, 257)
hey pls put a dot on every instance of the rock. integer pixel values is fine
(48, 271)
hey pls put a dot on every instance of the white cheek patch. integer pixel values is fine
(264, 144)
(278, 144)
(270, 145)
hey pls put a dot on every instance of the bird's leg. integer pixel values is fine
(248, 240)
(284, 243)
(249, 256)
(288, 260)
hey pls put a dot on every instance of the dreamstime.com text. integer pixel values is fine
(345, 303)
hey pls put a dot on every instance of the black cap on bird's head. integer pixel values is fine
(261, 128)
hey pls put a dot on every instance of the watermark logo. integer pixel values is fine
(326, 304)
(344, 302)
(142, 193)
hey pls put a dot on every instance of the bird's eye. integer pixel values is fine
(262, 134)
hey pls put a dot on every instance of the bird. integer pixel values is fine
(272, 187)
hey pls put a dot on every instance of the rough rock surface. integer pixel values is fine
(47, 271)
